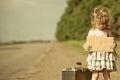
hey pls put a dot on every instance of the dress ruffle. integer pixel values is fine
(101, 60)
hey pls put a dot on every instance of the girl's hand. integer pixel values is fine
(87, 47)
(114, 45)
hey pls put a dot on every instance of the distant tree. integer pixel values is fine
(75, 22)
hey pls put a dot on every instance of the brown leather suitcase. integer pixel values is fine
(78, 73)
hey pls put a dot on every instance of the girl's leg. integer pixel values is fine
(95, 75)
(106, 74)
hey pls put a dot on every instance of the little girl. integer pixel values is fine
(100, 61)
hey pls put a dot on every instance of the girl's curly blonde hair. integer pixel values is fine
(100, 16)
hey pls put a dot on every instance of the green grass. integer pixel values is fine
(118, 48)
(78, 46)
(14, 42)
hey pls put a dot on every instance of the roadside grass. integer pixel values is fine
(22, 42)
(77, 45)
(11, 43)
(118, 48)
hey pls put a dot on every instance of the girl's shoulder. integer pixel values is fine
(97, 32)
(91, 32)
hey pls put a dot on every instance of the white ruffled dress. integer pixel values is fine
(101, 60)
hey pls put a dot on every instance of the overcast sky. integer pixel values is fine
(29, 19)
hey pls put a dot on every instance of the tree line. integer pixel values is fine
(75, 21)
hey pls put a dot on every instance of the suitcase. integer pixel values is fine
(77, 73)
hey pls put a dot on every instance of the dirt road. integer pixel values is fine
(39, 61)
(61, 56)
(20, 59)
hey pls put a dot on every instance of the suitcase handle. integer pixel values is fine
(79, 63)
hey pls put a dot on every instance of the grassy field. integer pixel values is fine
(78, 46)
